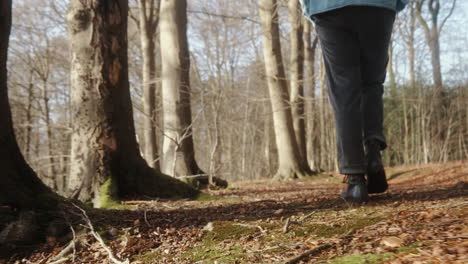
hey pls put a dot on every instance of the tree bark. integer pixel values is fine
(178, 148)
(148, 21)
(290, 166)
(313, 147)
(106, 162)
(20, 185)
(297, 77)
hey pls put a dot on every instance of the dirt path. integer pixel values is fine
(421, 219)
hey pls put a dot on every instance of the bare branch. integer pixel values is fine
(99, 238)
(447, 17)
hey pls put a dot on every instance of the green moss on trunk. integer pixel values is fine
(108, 195)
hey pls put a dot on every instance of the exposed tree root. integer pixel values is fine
(203, 181)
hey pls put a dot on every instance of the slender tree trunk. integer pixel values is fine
(148, 21)
(391, 72)
(431, 34)
(106, 162)
(405, 126)
(20, 185)
(322, 135)
(411, 48)
(178, 140)
(290, 165)
(244, 134)
(52, 170)
(412, 73)
(29, 107)
(310, 47)
(297, 79)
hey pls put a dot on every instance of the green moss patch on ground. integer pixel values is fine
(212, 254)
(149, 257)
(206, 197)
(324, 230)
(362, 259)
(228, 230)
(377, 258)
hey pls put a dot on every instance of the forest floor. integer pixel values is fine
(421, 219)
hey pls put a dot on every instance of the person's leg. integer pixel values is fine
(374, 38)
(341, 52)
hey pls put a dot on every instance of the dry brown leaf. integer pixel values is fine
(392, 242)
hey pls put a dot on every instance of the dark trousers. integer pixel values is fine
(354, 43)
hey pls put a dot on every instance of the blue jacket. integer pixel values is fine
(312, 7)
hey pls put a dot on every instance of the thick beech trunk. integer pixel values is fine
(290, 166)
(20, 185)
(178, 151)
(106, 161)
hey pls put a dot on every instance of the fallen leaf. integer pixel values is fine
(392, 242)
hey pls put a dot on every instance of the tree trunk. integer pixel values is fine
(178, 146)
(20, 185)
(411, 48)
(29, 107)
(52, 170)
(391, 72)
(297, 78)
(149, 18)
(290, 166)
(431, 34)
(322, 135)
(106, 162)
(313, 147)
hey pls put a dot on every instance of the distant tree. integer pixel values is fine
(148, 21)
(312, 136)
(20, 185)
(178, 155)
(432, 30)
(297, 78)
(105, 158)
(290, 165)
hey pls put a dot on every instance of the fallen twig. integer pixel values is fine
(309, 252)
(307, 216)
(299, 222)
(99, 239)
(146, 220)
(286, 225)
(251, 226)
(60, 257)
(59, 261)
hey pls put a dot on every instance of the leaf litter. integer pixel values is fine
(421, 219)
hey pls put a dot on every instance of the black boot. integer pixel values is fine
(356, 191)
(376, 179)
